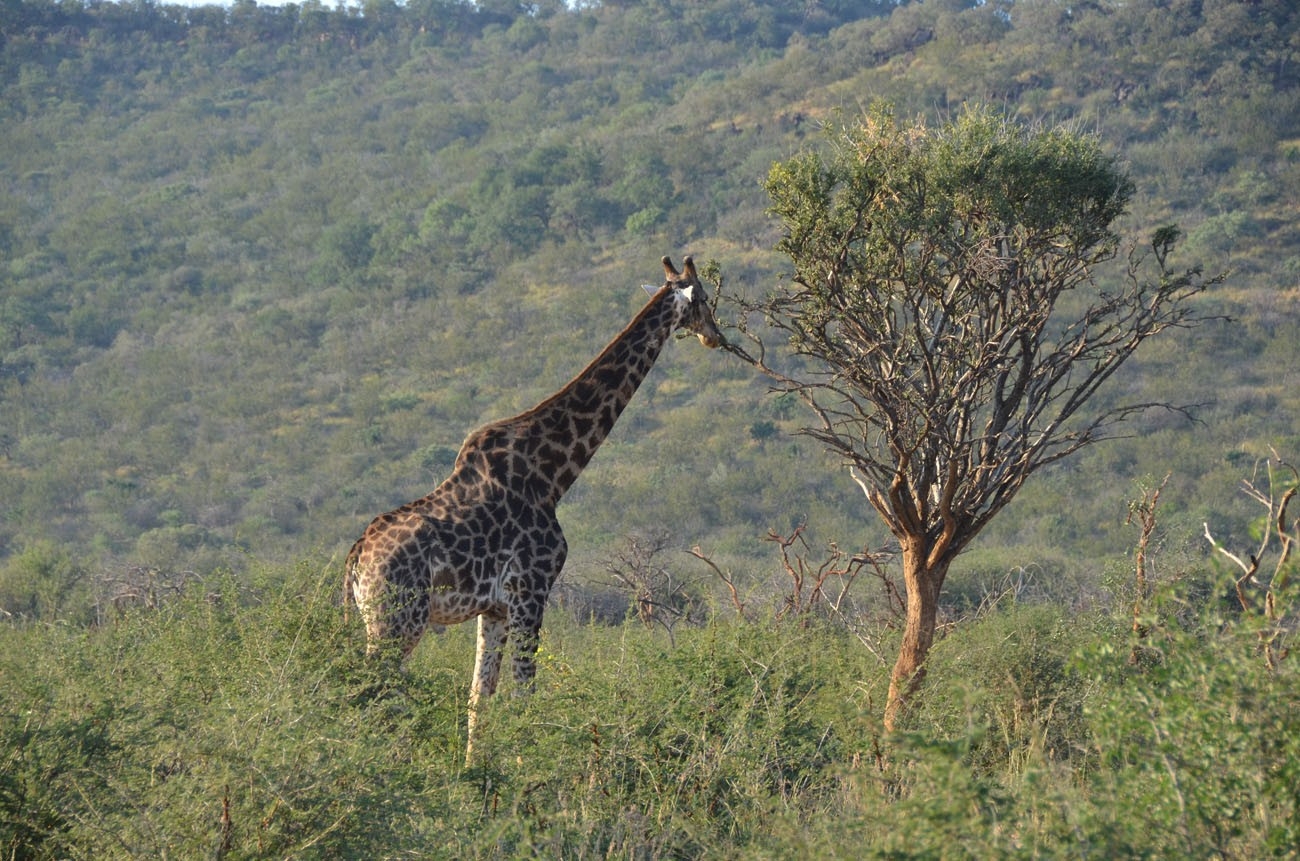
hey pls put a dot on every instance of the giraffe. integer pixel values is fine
(486, 541)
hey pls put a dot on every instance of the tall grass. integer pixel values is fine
(241, 722)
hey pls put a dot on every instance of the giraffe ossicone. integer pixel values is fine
(486, 542)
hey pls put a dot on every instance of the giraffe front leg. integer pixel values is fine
(528, 604)
(487, 669)
(524, 661)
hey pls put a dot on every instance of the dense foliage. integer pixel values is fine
(238, 723)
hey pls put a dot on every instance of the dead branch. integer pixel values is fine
(1144, 511)
(1248, 571)
(728, 579)
(809, 580)
(1285, 531)
(140, 586)
(661, 597)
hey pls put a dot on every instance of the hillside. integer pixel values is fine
(264, 267)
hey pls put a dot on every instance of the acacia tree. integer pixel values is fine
(951, 324)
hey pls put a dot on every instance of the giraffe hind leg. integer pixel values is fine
(385, 660)
(487, 670)
(395, 620)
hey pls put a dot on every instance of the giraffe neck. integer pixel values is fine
(541, 452)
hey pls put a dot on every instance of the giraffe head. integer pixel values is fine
(698, 316)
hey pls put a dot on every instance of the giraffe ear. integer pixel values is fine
(668, 268)
(650, 288)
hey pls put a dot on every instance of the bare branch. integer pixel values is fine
(1279, 527)
(660, 596)
(1145, 513)
(728, 579)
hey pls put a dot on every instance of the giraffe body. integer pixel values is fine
(486, 542)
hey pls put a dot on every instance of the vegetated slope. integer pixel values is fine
(264, 267)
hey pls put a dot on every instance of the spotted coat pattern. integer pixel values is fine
(486, 543)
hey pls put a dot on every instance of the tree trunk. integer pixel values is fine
(923, 583)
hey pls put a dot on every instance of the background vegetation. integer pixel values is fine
(261, 268)
(264, 267)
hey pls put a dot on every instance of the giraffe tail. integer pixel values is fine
(349, 580)
(347, 596)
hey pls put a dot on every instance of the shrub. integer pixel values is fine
(240, 720)
(1202, 737)
(44, 583)
(1011, 691)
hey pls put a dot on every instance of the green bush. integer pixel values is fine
(1011, 692)
(240, 720)
(44, 583)
(1202, 737)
